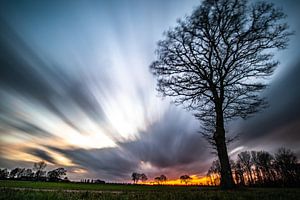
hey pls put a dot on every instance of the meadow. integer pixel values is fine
(46, 190)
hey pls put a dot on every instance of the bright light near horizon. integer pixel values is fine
(196, 180)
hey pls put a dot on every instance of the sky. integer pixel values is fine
(77, 92)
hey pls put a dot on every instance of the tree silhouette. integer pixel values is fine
(281, 169)
(39, 167)
(163, 178)
(185, 179)
(214, 172)
(287, 166)
(215, 61)
(56, 174)
(14, 173)
(136, 177)
(143, 177)
(3, 174)
(160, 179)
(244, 160)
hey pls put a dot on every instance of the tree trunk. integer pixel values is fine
(219, 137)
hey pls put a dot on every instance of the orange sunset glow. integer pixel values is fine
(196, 180)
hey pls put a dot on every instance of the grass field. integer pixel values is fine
(46, 190)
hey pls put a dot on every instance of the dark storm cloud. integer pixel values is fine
(280, 122)
(109, 163)
(43, 155)
(23, 126)
(170, 142)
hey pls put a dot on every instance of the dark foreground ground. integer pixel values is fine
(56, 191)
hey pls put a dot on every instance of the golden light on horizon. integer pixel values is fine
(195, 180)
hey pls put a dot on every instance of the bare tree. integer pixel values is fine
(14, 173)
(143, 177)
(157, 180)
(57, 174)
(163, 178)
(39, 167)
(160, 179)
(214, 172)
(215, 61)
(135, 177)
(3, 174)
(238, 173)
(185, 179)
(265, 162)
(244, 159)
(286, 164)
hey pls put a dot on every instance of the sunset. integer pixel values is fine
(173, 91)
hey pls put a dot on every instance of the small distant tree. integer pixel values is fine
(214, 172)
(160, 179)
(3, 174)
(157, 179)
(287, 165)
(98, 181)
(39, 167)
(185, 179)
(135, 177)
(238, 173)
(163, 178)
(143, 177)
(14, 173)
(265, 164)
(28, 174)
(244, 159)
(56, 174)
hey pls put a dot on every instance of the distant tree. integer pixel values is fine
(99, 181)
(185, 179)
(21, 173)
(135, 177)
(56, 174)
(3, 174)
(163, 178)
(160, 179)
(28, 174)
(15, 173)
(215, 61)
(256, 164)
(244, 159)
(157, 179)
(238, 173)
(287, 165)
(143, 177)
(39, 167)
(265, 164)
(214, 172)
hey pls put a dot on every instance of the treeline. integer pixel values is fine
(38, 173)
(261, 168)
(160, 180)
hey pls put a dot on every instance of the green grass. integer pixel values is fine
(84, 186)
(136, 192)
